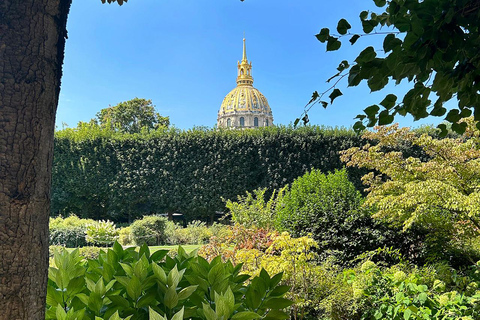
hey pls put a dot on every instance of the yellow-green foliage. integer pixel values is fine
(125, 237)
(295, 258)
(438, 191)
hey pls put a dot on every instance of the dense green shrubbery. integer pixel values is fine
(124, 284)
(149, 230)
(68, 232)
(328, 207)
(102, 233)
(106, 175)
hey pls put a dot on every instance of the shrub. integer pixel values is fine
(102, 233)
(68, 232)
(329, 207)
(123, 284)
(149, 230)
(89, 252)
(252, 211)
(125, 237)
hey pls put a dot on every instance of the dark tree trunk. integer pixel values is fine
(32, 41)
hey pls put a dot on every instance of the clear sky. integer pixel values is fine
(182, 54)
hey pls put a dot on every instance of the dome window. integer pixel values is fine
(242, 122)
(266, 122)
(255, 122)
(229, 123)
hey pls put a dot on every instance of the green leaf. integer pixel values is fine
(179, 314)
(153, 315)
(333, 44)
(134, 288)
(275, 280)
(380, 3)
(407, 314)
(343, 26)
(276, 315)
(323, 35)
(60, 313)
(324, 104)
(385, 118)
(390, 42)
(315, 96)
(186, 292)
(158, 255)
(335, 94)
(371, 111)
(208, 312)
(342, 66)
(389, 101)
(296, 122)
(354, 39)
(459, 127)
(173, 277)
(277, 303)
(369, 25)
(279, 291)
(246, 315)
(363, 15)
(171, 298)
(368, 54)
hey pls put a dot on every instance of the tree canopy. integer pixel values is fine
(440, 192)
(132, 116)
(432, 44)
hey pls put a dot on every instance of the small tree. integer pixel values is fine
(441, 193)
(132, 116)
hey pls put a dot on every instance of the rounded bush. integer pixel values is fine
(149, 230)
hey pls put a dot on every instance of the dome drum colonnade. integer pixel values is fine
(244, 106)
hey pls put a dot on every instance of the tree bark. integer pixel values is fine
(32, 41)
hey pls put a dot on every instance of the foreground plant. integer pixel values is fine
(126, 284)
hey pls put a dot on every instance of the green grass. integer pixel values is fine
(188, 247)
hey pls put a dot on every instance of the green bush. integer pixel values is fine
(68, 232)
(89, 252)
(149, 230)
(124, 284)
(329, 207)
(196, 232)
(102, 233)
(252, 211)
(125, 237)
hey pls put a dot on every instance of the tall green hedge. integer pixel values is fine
(103, 174)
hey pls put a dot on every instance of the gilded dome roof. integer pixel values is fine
(244, 106)
(245, 99)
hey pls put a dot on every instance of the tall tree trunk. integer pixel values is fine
(32, 41)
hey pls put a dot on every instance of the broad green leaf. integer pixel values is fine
(279, 290)
(186, 292)
(343, 26)
(277, 303)
(208, 312)
(153, 315)
(159, 273)
(323, 35)
(276, 315)
(246, 315)
(389, 101)
(171, 298)
(179, 314)
(335, 94)
(333, 44)
(134, 288)
(368, 54)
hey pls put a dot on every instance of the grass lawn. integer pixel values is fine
(188, 247)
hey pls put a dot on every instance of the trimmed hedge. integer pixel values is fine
(101, 174)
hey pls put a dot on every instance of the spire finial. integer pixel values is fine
(244, 58)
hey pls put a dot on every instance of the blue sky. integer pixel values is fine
(183, 54)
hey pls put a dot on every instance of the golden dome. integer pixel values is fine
(244, 106)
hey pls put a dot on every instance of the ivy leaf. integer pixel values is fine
(335, 94)
(390, 42)
(343, 26)
(324, 104)
(369, 25)
(371, 111)
(323, 35)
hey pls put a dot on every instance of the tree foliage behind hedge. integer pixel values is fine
(102, 174)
